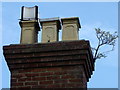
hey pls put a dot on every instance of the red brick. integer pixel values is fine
(39, 87)
(32, 74)
(32, 70)
(73, 85)
(38, 70)
(18, 75)
(17, 84)
(44, 64)
(54, 86)
(39, 78)
(31, 83)
(61, 72)
(45, 82)
(46, 73)
(76, 80)
(53, 77)
(61, 81)
(67, 77)
(54, 69)
(24, 79)
(25, 87)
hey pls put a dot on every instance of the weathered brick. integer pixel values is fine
(39, 78)
(22, 87)
(31, 83)
(17, 84)
(32, 74)
(32, 70)
(68, 77)
(61, 72)
(50, 65)
(46, 82)
(53, 69)
(18, 75)
(39, 87)
(46, 73)
(76, 80)
(54, 85)
(61, 81)
(24, 79)
(53, 77)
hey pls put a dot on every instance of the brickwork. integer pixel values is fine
(50, 65)
(57, 77)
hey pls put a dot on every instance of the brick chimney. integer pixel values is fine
(54, 64)
(50, 65)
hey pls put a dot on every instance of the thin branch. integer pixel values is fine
(95, 57)
(104, 38)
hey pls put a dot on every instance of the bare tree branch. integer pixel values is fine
(104, 38)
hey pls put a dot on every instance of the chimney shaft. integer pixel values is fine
(29, 32)
(70, 28)
(50, 29)
(29, 25)
(49, 65)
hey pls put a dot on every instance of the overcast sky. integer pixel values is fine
(91, 14)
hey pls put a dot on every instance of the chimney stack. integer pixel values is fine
(58, 64)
